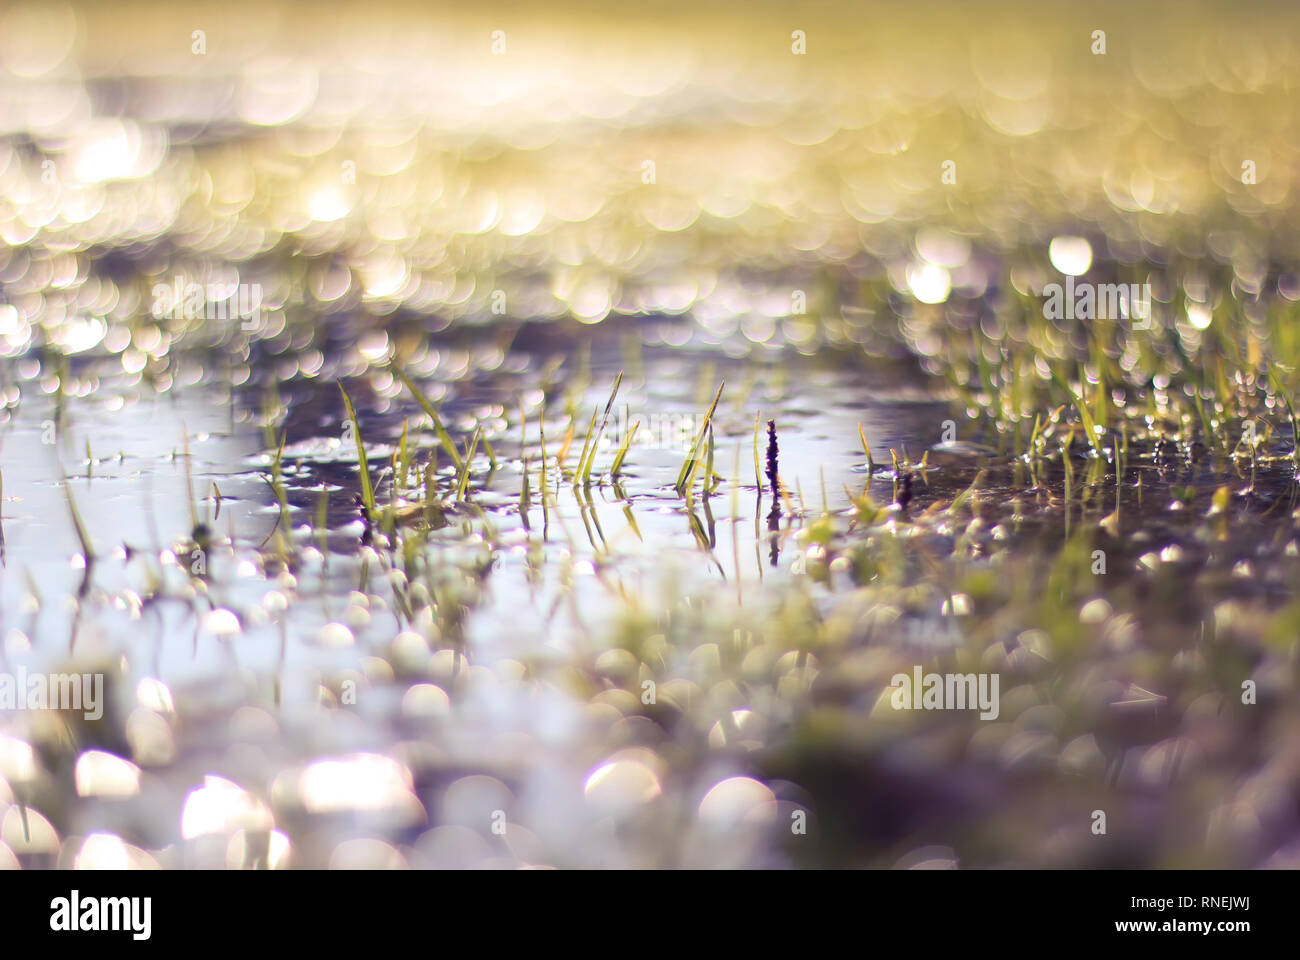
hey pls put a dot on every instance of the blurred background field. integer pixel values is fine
(511, 205)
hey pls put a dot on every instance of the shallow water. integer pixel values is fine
(223, 675)
(686, 207)
(244, 635)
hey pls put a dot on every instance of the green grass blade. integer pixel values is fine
(87, 548)
(444, 437)
(687, 470)
(1089, 425)
(582, 457)
(463, 484)
(367, 491)
(1290, 406)
(609, 405)
(622, 450)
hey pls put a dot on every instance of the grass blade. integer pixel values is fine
(687, 470)
(444, 437)
(367, 491)
(622, 449)
(585, 469)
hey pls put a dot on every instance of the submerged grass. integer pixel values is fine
(969, 553)
(471, 448)
(444, 438)
(78, 525)
(588, 459)
(367, 489)
(578, 471)
(1122, 682)
(692, 457)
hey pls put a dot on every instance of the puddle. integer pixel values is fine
(528, 662)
